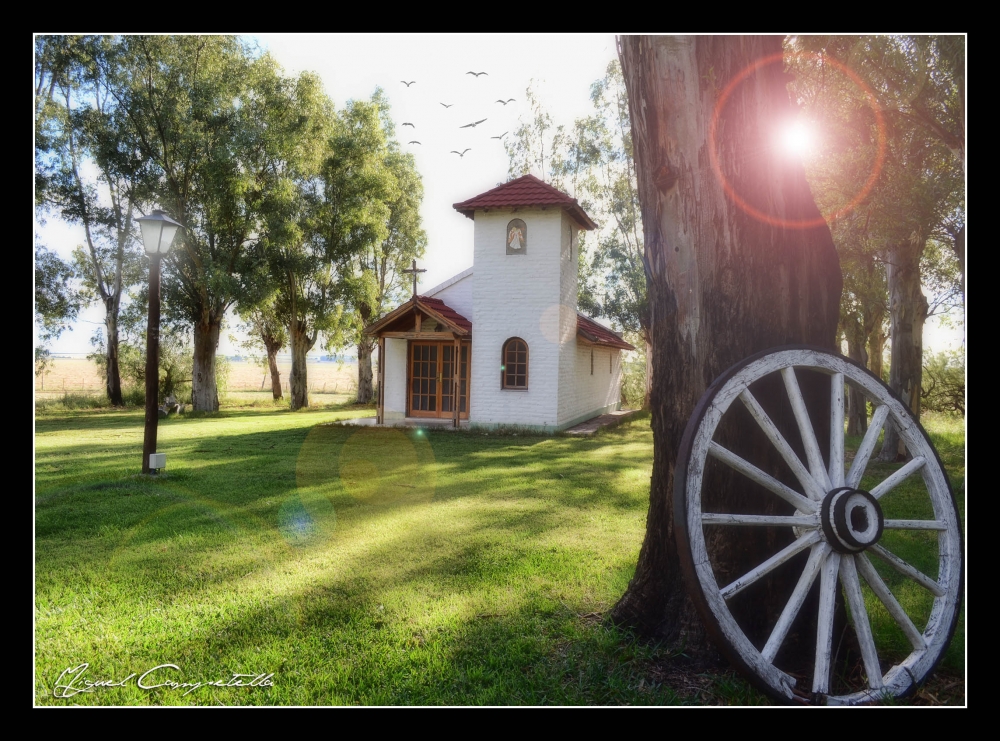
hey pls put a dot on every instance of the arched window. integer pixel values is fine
(514, 364)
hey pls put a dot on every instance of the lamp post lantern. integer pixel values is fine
(158, 232)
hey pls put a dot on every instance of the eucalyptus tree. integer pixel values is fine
(727, 278)
(595, 159)
(79, 135)
(200, 109)
(371, 269)
(366, 222)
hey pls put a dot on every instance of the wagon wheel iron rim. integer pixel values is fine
(835, 526)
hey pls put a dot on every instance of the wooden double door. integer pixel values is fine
(438, 379)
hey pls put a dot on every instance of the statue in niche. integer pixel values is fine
(517, 233)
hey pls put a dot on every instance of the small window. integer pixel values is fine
(514, 364)
(611, 360)
(591, 361)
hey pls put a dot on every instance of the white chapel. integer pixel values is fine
(502, 343)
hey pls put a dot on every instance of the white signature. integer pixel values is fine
(72, 681)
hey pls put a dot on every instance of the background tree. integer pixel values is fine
(193, 105)
(356, 221)
(371, 270)
(722, 283)
(57, 301)
(81, 136)
(917, 195)
(263, 328)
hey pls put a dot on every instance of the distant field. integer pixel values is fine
(79, 375)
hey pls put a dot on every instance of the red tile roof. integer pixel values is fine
(525, 191)
(598, 334)
(445, 312)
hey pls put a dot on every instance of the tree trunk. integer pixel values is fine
(857, 407)
(272, 364)
(113, 379)
(722, 283)
(301, 344)
(366, 391)
(907, 314)
(272, 345)
(204, 390)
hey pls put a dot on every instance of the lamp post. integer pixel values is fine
(158, 232)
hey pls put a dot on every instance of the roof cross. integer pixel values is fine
(414, 270)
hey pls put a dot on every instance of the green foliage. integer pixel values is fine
(57, 299)
(633, 388)
(943, 382)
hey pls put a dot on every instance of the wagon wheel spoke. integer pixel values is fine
(862, 628)
(816, 466)
(824, 625)
(837, 429)
(770, 564)
(906, 570)
(881, 591)
(718, 518)
(813, 488)
(864, 453)
(794, 604)
(770, 483)
(915, 525)
(899, 476)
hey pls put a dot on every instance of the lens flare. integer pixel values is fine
(739, 200)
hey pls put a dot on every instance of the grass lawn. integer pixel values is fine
(355, 565)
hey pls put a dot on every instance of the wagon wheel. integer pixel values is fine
(827, 530)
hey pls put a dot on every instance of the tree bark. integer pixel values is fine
(204, 390)
(647, 394)
(113, 378)
(366, 389)
(301, 344)
(857, 407)
(907, 314)
(722, 283)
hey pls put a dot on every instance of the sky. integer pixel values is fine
(559, 68)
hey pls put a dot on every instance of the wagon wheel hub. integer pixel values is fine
(852, 519)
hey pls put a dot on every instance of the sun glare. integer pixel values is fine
(797, 139)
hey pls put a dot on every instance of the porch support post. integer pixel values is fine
(380, 412)
(456, 382)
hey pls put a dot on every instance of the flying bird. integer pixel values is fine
(477, 73)
(462, 153)
(447, 105)
(407, 83)
(476, 123)
(505, 102)
(407, 123)
(499, 137)
(413, 142)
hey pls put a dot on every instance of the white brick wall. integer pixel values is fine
(590, 394)
(516, 296)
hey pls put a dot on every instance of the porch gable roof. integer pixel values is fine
(433, 307)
